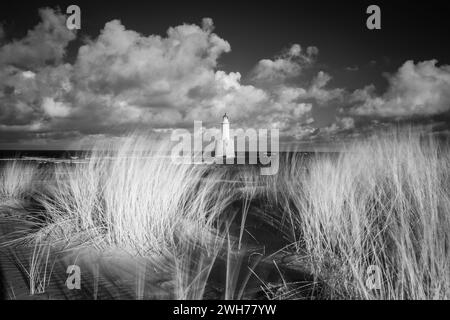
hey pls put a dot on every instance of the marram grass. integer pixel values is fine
(382, 202)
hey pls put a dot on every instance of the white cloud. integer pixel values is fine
(347, 123)
(28, 74)
(320, 92)
(45, 43)
(124, 80)
(339, 126)
(421, 89)
(54, 108)
(288, 65)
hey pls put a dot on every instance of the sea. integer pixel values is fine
(44, 158)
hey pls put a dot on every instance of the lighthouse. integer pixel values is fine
(225, 145)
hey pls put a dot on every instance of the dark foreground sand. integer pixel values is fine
(118, 275)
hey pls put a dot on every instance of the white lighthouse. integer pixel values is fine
(225, 145)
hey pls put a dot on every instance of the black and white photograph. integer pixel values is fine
(248, 152)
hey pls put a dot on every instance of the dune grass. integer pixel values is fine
(134, 201)
(382, 204)
(16, 181)
(133, 197)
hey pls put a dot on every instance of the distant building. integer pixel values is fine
(225, 145)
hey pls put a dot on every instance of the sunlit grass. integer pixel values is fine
(16, 181)
(133, 197)
(382, 202)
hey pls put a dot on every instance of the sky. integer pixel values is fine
(312, 70)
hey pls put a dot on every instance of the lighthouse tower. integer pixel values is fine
(225, 145)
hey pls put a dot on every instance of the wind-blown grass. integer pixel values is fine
(383, 202)
(135, 198)
(16, 181)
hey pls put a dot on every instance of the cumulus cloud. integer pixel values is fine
(154, 79)
(288, 65)
(319, 91)
(122, 80)
(54, 108)
(340, 125)
(421, 89)
(46, 43)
